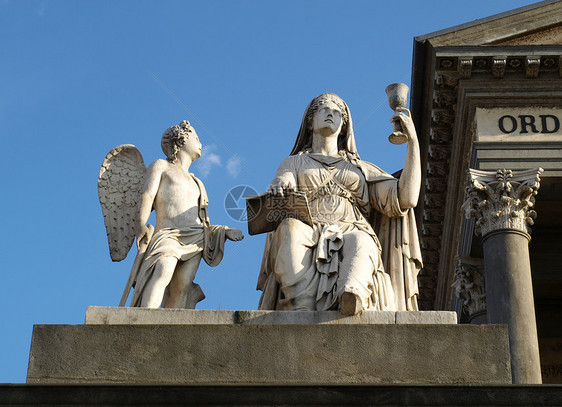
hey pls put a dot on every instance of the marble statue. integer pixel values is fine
(362, 251)
(168, 254)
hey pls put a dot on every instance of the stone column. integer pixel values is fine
(502, 203)
(470, 288)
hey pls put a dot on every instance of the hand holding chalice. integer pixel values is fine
(397, 99)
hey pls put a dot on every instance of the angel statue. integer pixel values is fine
(362, 250)
(168, 254)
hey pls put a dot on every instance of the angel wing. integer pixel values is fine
(120, 185)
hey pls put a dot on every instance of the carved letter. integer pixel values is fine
(545, 129)
(527, 120)
(513, 124)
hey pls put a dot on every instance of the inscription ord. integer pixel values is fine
(526, 123)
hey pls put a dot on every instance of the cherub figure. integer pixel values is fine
(168, 254)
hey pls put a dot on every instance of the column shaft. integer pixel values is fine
(502, 202)
(509, 293)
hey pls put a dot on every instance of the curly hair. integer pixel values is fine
(322, 99)
(174, 138)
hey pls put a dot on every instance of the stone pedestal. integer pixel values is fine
(502, 202)
(262, 348)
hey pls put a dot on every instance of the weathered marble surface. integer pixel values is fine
(345, 260)
(124, 316)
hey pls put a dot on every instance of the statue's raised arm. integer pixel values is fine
(362, 250)
(410, 178)
(170, 252)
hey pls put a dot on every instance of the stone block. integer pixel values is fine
(426, 317)
(128, 315)
(269, 354)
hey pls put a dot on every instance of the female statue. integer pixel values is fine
(362, 251)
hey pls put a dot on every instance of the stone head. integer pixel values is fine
(327, 112)
(181, 137)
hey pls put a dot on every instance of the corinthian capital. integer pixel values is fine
(502, 199)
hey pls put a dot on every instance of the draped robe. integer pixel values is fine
(183, 244)
(352, 202)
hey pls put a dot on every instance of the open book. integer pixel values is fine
(266, 211)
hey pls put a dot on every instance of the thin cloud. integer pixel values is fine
(41, 9)
(233, 166)
(209, 159)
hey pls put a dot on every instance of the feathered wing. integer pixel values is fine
(120, 185)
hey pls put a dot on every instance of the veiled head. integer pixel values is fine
(346, 139)
(330, 100)
(180, 136)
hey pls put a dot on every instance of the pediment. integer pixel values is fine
(536, 24)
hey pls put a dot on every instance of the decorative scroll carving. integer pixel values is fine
(481, 63)
(443, 117)
(549, 62)
(469, 285)
(439, 152)
(515, 63)
(434, 200)
(430, 229)
(447, 63)
(435, 184)
(444, 80)
(444, 99)
(439, 136)
(532, 65)
(465, 68)
(498, 67)
(502, 200)
(438, 169)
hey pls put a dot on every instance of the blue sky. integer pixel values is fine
(79, 78)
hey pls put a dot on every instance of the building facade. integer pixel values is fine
(487, 96)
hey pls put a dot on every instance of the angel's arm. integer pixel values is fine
(151, 185)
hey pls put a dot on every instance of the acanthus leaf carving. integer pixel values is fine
(502, 199)
(469, 285)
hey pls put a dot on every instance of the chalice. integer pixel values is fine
(397, 98)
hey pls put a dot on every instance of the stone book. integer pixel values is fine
(266, 211)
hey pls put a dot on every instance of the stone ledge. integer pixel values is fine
(235, 354)
(133, 316)
(295, 396)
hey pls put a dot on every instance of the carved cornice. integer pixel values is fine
(502, 199)
(469, 285)
(450, 67)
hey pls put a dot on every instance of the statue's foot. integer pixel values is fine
(350, 304)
